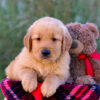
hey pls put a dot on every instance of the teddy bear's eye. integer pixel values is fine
(93, 31)
(38, 39)
(54, 39)
(78, 37)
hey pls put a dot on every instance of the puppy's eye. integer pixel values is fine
(38, 39)
(54, 39)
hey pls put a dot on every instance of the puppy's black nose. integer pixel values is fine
(45, 52)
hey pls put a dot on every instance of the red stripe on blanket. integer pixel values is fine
(81, 92)
(87, 94)
(73, 91)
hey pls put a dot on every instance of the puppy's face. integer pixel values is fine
(48, 39)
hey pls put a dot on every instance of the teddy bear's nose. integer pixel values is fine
(45, 52)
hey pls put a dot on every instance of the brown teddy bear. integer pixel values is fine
(85, 63)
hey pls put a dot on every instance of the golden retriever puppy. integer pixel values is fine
(45, 56)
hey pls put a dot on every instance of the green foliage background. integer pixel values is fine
(17, 15)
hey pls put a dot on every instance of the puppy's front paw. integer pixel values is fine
(48, 89)
(29, 84)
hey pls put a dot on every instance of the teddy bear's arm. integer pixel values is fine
(86, 79)
(96, 68)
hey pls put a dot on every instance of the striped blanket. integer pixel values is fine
(13, 90)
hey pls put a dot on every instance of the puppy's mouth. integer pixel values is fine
(45, 57)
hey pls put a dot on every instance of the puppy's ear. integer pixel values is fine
(67, 40)
(28, 41)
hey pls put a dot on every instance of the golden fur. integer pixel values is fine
(29, 65)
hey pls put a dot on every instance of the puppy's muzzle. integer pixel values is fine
(45, 53)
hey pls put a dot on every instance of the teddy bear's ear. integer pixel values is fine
(94, 29)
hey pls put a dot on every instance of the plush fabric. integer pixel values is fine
(12, 90)
(86, 35)
(88, 66)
